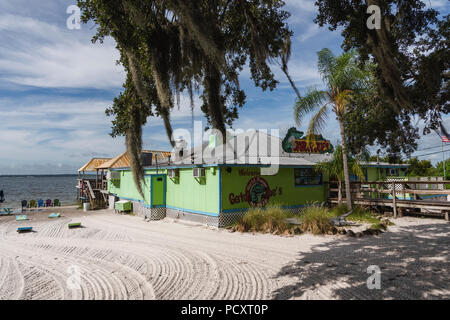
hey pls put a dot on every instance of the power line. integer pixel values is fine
(428, 154)
(428, 148)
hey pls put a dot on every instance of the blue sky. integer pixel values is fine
(55, 85)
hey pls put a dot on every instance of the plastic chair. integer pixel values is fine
(56, 203)
(48, 203)
(33, 204)
(24, 203)
(40, 203)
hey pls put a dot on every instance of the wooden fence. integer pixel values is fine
(396, 194)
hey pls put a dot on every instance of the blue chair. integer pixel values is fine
(41, 203)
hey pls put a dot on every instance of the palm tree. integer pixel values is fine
(335, 167)
(344, 79)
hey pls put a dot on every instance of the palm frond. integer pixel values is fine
(318, 121)
(340, 101)
(326, 64)
(310, 102)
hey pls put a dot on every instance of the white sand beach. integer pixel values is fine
(123, 257)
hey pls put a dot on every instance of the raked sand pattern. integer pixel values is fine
(123, 257)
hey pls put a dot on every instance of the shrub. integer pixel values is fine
(270, 219)
(316, 220)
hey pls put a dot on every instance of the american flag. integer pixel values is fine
(445, 136)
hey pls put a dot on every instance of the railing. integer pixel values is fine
(95, 184)
(394, 187)
(394, 193)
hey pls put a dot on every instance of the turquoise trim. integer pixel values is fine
(392, 166)
(194, 211)
(220, 189)
(246, 209)
(308, 185)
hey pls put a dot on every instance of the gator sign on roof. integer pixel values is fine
(296, 142)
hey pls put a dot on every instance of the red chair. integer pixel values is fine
(48, 203)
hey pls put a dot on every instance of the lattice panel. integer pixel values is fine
(148, 213)
(227, 219)
(157, 213)
(398, 186)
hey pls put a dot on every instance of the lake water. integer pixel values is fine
(18, 188)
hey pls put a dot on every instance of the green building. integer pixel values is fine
(217, 184)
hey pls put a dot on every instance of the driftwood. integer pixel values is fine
(294, 221)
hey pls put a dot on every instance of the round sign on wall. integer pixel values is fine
(258, 192)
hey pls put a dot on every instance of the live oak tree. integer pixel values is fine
(410, 51)
(169, 47)
(370, 121)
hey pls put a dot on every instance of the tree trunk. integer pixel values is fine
(215, 106)
(340, 192)
(348, 191)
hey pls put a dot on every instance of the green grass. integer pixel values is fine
(316, 220)
(271, 219)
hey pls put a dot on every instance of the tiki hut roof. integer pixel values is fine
(92, 164)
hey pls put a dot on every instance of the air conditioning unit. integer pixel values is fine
(198, 172)
(173, 173)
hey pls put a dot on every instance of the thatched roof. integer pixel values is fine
(123, 160)
(93, 163)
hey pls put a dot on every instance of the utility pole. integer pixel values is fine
(443, 159)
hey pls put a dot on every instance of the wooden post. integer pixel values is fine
(446, 216)
(404, 193)
(378, 190)
(394, 198)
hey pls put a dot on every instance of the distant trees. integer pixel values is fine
(420, 168)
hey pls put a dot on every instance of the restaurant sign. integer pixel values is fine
(257, 193)
(296, 142)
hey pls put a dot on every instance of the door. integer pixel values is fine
(158, 191)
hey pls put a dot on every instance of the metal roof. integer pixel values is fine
(384, 164)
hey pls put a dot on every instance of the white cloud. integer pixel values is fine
(37, 53)
(61, 131)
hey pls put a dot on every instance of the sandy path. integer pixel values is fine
(123, 257)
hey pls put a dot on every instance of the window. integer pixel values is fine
(306, 177)
(392, 172)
